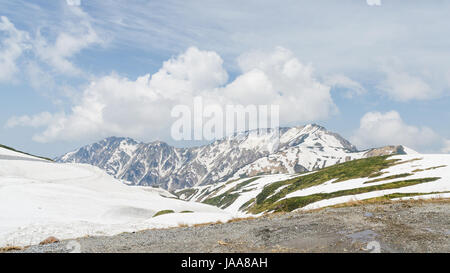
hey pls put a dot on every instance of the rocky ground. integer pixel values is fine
(394, 227)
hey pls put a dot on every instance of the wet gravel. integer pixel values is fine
(396, 227)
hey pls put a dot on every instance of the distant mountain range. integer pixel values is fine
(294, 150)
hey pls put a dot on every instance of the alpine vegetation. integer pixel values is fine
(414, 176)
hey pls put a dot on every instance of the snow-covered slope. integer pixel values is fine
(39, 198)
(394, 177)
(293, 150)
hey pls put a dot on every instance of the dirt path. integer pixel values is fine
(396, 227)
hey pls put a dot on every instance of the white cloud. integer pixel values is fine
(374, 2)
(380, 129)
(12, 47)
(446, 148)
(114, 105)
(230, 30)
(73, 2)
(351, 87)
(401, 86)
(193, 70)
(35, 121)
(78, 35)
(290, 84)
(75, 34)
(38, 77)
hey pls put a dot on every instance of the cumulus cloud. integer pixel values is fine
(114, 105)
(351, 87)
(289, 83)
(77, 36)
(380, 129)
(39, 79)
(46, 57)
(191, 71)
(446, 148)
(13, 44)
(402, 86)
(38, 120)
(374, 2)
(73, 2)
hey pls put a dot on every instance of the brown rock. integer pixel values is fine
(49, 240)
(386, 150)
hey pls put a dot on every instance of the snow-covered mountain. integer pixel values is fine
(40, 198)
(288, 150)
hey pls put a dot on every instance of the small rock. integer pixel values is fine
(49, 240)
(220, 242)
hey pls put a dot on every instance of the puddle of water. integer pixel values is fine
(368, 214)
(365, 235)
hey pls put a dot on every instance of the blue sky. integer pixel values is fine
(377, 72)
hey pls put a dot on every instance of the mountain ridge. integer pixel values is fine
(242, 154)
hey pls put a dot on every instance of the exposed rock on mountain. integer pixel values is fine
(290, 150)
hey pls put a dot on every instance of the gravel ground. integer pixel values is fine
(395, 227)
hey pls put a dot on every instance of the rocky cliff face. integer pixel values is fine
(292, 150)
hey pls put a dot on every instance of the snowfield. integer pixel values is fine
(416, 166)
(436, 189)
(40, 198)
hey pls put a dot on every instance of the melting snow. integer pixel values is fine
(39, 199)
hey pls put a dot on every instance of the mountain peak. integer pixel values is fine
(158, 143)
(315, 126)
(282, 150)
(118, 139)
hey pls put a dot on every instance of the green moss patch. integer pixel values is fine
(431, 168)
(377, 174)
(247, 204)
(187, 192)
(340, 172)
(226, 199)
(222, 201)
(293, 203)
(389, 178)
(162, 212)
(410, 194)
